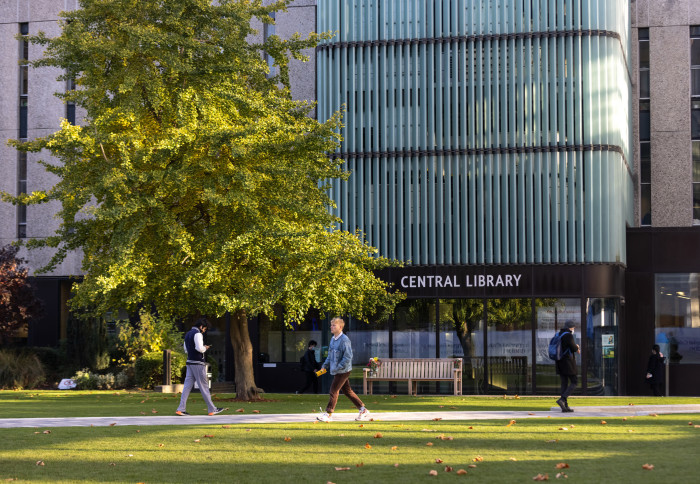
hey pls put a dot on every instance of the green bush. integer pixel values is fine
(149, 334)
(87, 380)
(149, 369)
(20, 370)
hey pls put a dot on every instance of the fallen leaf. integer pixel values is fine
(225, 426)
(448, 469)
(40, 463)
(510, 423)
(393, 396)
(196, 440)
(462, 472)
(441, 406)
(453, 408)
(696, 426)
(154, 411)
(342, 468)
(208, 436)
(433, 472)
(541, 477)
(562, 465)
(624, 419)
(470, 427)
(396, 447)
(112, 464)
(563, 428)
(517, 397)
(653, 415)
(256, 411)
(553, 441)
(361, 425)
(138, 431)
(113, 424)
(47, 431)
(437, 418)
(478, 458)
(142, 413)
(472, 466)
(240, 410)
(648, 467)
(361, 464)
(690, 423)
(161, 445)
(429, 444)
(287, 439)
(396, 465)
(367, 446)
(561, 474)
(513, 459)
(378, 435)
(530, 413)
(603, 422)
(341, 435)
(438, 461)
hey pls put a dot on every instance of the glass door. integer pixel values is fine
(509, 346)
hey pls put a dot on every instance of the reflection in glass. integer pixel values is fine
(509, 345)
(462, 336)
(270, 334)
(297, 337)
(602, 317)
(414, 329)
(369, 339)
(550, 316)
(678, 317)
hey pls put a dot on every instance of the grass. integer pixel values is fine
(274, 453)
(373, 452)
(25, 404)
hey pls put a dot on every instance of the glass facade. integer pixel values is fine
(678, 317)
(481, 132)
(503, 342)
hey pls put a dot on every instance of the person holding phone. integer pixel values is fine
(197, 368)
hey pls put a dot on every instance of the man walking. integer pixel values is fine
(566, 366)
(339, 362)
(197, 368)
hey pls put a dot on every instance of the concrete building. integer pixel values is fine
(531, 162)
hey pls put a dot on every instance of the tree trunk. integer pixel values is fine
(246, 389)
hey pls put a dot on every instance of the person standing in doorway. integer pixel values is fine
(197, 368)
(656, 370)
(339, 363)
(309, 365)
(566, 366)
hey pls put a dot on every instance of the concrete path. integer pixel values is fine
(249, 419)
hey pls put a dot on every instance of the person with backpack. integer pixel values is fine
(309, 365)
(566, 364)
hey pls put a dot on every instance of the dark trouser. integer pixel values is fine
(656, 388)
(568, 384)
(311, 379)
(341, 384)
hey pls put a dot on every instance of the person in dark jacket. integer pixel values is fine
(309, 365)
(197, 368)
(566, 366)
(655, 370)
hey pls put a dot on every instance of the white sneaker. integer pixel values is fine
(363, 415)
(324, 417)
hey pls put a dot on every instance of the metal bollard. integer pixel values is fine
(167, 358)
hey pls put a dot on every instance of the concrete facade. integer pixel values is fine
(668, 22)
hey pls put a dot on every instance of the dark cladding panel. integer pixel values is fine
(559, 281)
(45, 330)
(604, 281)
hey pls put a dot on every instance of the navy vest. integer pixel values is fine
(192, 353)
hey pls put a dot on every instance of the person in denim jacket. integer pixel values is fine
(339, 363)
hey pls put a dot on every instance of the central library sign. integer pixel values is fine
(595, 280)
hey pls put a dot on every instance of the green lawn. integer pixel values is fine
(275, 453)
(373, 452)
(72, 403)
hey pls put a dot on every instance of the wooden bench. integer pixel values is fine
(413, 370)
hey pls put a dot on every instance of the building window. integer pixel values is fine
(23, 104)
(695, 117)
(677, 317)
(644, 130)
(70, 105)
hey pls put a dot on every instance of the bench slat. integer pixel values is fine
(413, 370)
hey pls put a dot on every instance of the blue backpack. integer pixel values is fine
(555, 352)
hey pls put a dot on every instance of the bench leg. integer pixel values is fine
(364, 386)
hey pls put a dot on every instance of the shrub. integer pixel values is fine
(87, 380)
(20, 370)
(150, 334)
(149, 369)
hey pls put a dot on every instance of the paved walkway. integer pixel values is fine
(248, 419)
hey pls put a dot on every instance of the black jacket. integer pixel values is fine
(567, 365)
(656, 368)
(309, 363)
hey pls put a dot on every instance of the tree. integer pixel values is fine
(18, 304)
(195, 183)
